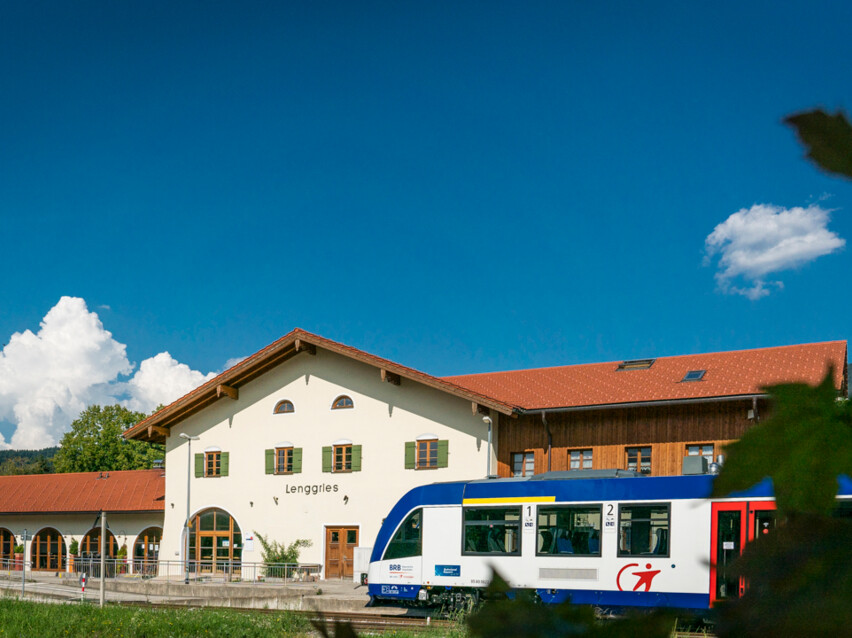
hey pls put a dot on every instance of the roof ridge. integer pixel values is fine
(667, 357)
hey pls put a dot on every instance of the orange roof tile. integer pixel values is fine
(743, 372)
(127, 491)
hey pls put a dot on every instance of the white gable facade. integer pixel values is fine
(317, 473)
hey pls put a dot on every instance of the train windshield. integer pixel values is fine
(643, 530)
(570, 530)
(492, 530)
(408, 540)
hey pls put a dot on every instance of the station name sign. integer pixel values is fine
(311, 490)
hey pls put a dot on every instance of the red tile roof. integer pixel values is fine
(84, 492)
(729, 374)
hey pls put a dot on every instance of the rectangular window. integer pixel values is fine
(643, 530)
(580, 460)
(342, 458)
(492, 530)
(427, 454)
(704, 449)
(284, 460)
(639, 459)
(523, 464)
(574, 530)
(212, 464)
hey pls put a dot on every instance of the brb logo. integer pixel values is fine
(642, 577)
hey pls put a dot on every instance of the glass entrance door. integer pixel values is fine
(733, 526)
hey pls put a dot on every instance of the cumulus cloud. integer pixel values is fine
(162, 379)
(765, 239)
(48, 377)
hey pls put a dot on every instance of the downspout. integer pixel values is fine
(549, 439)
(754, 410)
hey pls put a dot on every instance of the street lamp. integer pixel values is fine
(189, 440)
(487, 420)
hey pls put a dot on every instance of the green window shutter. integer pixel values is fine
(199, 465)
(326, 459)
(410, 448)
(443, 453)
(224, 466)
(270, 461)
(356, 458)
(297, 460)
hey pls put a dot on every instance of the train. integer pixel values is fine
(613, 539)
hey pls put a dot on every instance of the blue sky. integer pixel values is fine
(460, 187)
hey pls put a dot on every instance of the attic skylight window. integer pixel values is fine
(636, 364)
(694, 375)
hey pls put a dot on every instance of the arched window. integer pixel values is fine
(215, 541)
(146, 550)
(7, 544)
(284, 407)
(90, 546)
(47, 550)
(342, 402)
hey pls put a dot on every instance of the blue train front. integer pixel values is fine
(609, 538)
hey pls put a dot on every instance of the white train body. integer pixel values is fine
(629, 541)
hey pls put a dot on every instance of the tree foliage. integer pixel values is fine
(804, 446)
(27, 461)
(274, 553)
(828, 139)
(95, 443)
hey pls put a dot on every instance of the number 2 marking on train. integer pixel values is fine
(609, 511)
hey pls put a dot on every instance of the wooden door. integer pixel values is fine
(340, 544)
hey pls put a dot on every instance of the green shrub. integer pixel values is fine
(273, 552)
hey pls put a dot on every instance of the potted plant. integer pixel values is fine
(121, 559)
(19, 557)
(73, 551)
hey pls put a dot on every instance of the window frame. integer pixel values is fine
(285, 450)
(430, 453)
(667, 504)
(570, 506)
(343, 398)
(700, 446)
(343, 447)
(464, 510)
(524, 454)
(282, 407)
(591, 452)
(213, 464)
(639, 457)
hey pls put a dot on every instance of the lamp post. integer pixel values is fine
(487, 420)
(189, 440)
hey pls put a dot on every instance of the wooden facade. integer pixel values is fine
(666, 429)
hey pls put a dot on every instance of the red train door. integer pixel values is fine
(733, 526)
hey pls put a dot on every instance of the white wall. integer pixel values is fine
(385, 416)
(125, 527)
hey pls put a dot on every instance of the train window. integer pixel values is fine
(643, 530)
(569, 530)
(492, 530)
(408, 539)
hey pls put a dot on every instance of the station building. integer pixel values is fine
(312, 439)
(45, 513)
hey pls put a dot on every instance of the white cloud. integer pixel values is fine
(753, 243)
(161, 379)
(48, 377)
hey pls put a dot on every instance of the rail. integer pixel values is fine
(197, 571)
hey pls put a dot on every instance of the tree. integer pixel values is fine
(95, 443)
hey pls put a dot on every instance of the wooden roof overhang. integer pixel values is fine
(158, 426)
